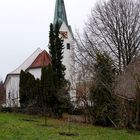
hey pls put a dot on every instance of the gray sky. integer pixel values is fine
(24, 27)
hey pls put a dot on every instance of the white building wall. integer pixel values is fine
(12, 80)
(36, 72)
(12, 91)
(12, 87)
(67, 60)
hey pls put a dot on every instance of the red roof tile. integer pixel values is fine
(43, 59)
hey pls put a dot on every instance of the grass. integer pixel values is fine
(15, 127)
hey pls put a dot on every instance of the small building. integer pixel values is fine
(32, 64)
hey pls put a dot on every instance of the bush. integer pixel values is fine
(76, 111)
(6, 109)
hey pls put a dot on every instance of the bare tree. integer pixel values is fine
(94, 95)
(113, 26)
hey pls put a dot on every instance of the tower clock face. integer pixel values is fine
(64, 34)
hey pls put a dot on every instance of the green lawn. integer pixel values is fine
(13, 127)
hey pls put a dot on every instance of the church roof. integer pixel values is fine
(60, 15)
(37, 59)
(27, 62)
(43, 59)
(25, 65)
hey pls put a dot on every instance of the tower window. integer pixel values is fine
(68, 46)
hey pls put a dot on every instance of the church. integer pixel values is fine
(39, 58)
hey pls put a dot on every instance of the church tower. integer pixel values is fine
(60, 17)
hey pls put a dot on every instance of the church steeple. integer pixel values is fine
(60, 15)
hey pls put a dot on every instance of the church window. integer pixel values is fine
(68, 46)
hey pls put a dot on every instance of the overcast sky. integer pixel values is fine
(24, 27)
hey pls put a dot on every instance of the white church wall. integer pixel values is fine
(36, 72)
(12, 80)
(12, 87)
(67, 61)
(12, 91)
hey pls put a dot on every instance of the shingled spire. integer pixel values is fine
(60, 13)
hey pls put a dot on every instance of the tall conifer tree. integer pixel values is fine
(27, 89)
(47, 86)
(59, 53)
(52, 48)
(56, 51)
(104, 107)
